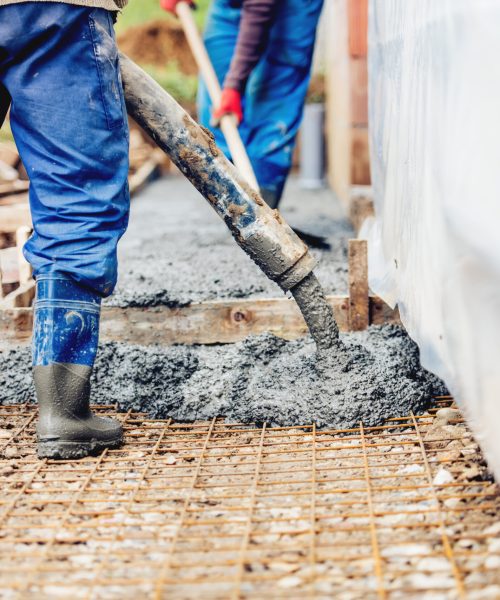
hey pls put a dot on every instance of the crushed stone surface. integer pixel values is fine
(178, 251)
(261, 379)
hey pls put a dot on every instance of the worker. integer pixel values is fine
(59, 66)
(261, 51)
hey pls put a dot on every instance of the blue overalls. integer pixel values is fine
(276, 90)
(59, 63)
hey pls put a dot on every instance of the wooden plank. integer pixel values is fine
(358, 28)
(25, 271)
(359, 91)
(20, 297)
(14, 187)
(15, 326)
(14, 199)
(360, 156)
(217, 322)
(147, 172)
(361, 209)
(9, 154)
(14, 216)
(338, 101)
(359, 303)
(381, 313)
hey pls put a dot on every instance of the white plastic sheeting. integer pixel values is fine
(434, 77)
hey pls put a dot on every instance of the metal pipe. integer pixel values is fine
(259, 230)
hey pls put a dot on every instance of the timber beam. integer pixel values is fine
(214, 322)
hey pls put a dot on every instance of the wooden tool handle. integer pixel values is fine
(227, 122)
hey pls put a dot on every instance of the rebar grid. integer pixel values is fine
(231, 511)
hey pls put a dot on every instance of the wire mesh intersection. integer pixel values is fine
(230, 511)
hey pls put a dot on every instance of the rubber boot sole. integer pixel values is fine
(69, 450)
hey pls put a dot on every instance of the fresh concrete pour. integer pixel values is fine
(165, 259)
(262, 379)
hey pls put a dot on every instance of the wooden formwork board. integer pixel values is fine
(216, 322)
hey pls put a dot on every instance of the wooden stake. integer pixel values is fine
(361, 209)
(359, 302)
(22, 235)
(14, 187)
(14, 216)
(20, 298)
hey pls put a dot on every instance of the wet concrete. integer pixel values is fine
(262, 379)
(317, 313)
(177, 250)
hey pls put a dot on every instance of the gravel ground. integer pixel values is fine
(209, 510)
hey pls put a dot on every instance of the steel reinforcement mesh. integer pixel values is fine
(211, 510)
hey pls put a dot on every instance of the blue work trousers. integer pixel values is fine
(59, 62)
(276, 90)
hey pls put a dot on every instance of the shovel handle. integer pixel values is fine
(227, 123)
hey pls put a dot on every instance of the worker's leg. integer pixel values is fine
(276, 92)
(65, 336)
(59, 63)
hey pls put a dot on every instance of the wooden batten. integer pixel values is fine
(14, 187)
(20, 297)
(147, 172)
(14, 216)
(217, 322)
(359, 301)
(361, 209)
(347, 97)
(25, 270)
(338, 104)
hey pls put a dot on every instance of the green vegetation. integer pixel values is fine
(140, 11)
(182, 87)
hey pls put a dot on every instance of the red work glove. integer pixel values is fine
(170, 5)
(230, 104)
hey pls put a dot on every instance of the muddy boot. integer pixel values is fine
(65, 336)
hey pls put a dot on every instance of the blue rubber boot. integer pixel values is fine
(65, 337)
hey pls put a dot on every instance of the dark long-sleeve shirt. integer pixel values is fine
(257, 17)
